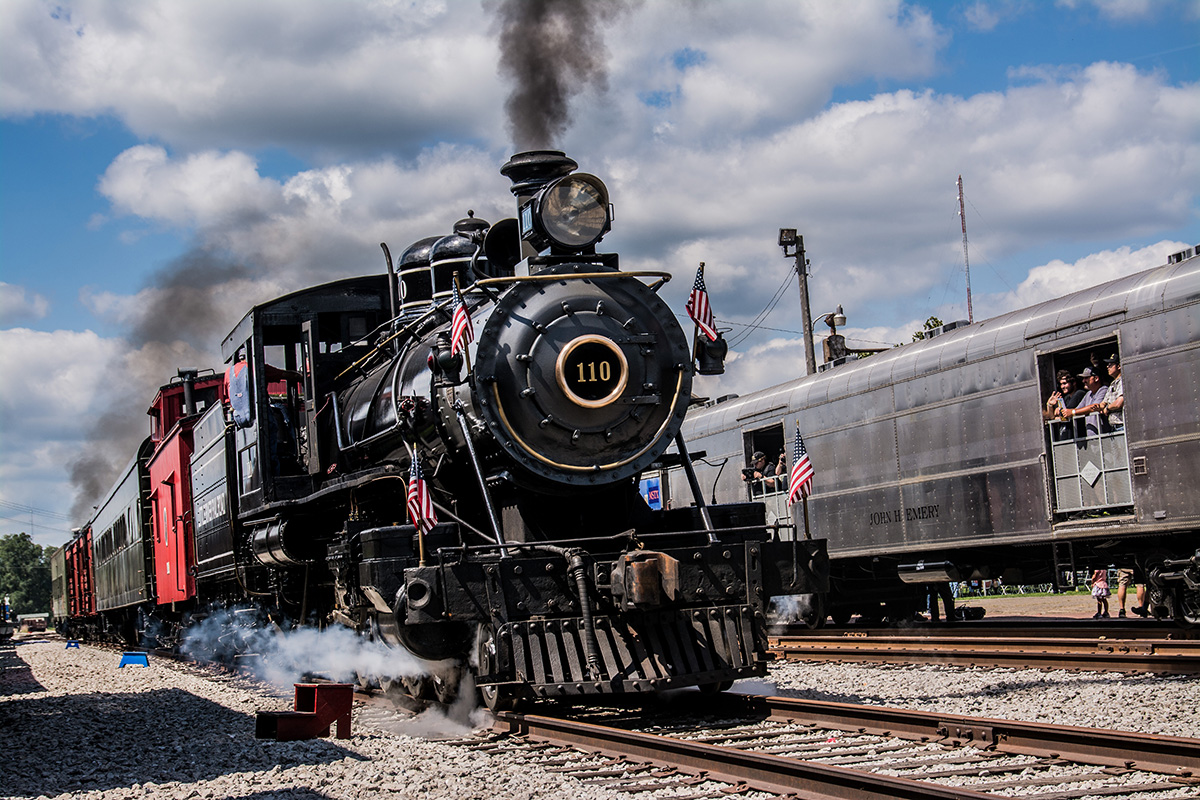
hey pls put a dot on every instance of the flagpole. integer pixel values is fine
(418, 521)
(458, 291)
(696, 332)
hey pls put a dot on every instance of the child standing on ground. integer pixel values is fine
(1100, 592)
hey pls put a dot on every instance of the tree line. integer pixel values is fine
(25, 574)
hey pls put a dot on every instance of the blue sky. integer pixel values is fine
(241, 150)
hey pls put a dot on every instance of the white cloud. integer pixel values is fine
(1058, 278)
(274, 72)
(17, 304)
(201, 190)
(48, 404)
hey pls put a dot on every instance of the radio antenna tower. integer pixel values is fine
(962, 214)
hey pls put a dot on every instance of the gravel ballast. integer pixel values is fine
(73, 724)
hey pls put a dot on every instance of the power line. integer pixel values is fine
(41, 512)
(788, 330)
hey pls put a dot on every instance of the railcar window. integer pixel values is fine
(1088, 454)
(766, 481)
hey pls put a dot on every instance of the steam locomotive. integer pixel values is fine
(278, 491)
(935, 463)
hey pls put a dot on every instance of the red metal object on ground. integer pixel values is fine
(317, 707)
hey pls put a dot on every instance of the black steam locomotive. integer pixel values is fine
(546, 570)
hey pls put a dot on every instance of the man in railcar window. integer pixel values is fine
(1089, 406)
(1067, 397)
(760, 474)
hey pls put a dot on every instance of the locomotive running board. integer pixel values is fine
(639, 652)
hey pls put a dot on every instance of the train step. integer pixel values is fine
(317, 707)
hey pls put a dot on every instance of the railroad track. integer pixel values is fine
(818, 750)
(1125, 647)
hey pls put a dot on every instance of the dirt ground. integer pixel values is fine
(1077, 606)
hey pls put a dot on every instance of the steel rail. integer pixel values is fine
(761, 771)
(1175, 755)
(1164, 656)
(1177, 758)
(1114, 628)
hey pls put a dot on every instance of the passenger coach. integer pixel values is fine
(933, 461)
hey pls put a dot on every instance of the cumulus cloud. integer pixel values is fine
(314, 76)
(20, 305)
(1058, 278)
(49, 400)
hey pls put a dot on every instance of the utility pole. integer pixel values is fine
(962, 214)
(793, 245)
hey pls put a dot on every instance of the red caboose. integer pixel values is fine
(174, 412)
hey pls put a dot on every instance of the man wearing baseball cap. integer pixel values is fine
(1114, 399)
(1089, 406)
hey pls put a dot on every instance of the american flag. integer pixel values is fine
(462, 333)
(420, 503)
(800, 483)
(699, 309)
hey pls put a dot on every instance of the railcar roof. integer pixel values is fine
(1167, 286)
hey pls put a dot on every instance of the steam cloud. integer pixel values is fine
(551, 49)
(338, 654)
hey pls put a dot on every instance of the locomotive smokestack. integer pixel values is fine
(530, 171)
(188, 378)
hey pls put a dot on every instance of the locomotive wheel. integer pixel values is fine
(814, 617)
(840, 616)
(1187, 607)
(445, 688)
(143, 628)
(496, 698)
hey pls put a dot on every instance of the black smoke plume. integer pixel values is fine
(551, 49)
(180, 324)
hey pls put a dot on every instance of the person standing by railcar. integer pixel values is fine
(1100, 592)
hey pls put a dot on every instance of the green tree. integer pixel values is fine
(25, 574)
(930, 324)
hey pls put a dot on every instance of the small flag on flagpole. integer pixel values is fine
(420, 503)
(462, 333)
(699, 309)
(800, 483)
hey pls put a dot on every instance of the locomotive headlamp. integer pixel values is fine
(571, 213)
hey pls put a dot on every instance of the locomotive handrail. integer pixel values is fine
(631, 535)
(662, 276)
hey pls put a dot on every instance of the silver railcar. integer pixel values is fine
(933, 460)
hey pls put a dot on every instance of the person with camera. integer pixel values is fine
(762, 476)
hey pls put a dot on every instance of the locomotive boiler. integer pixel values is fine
(525, 434)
